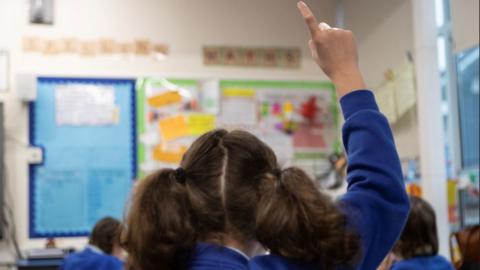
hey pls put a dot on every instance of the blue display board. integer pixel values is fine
(87, 170)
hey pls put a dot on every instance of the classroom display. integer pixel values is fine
(86, 128)
(170, 117)
(299, 120)
(95, 133)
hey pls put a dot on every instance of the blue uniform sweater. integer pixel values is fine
(90, 259)
(423, 263)
(376, 203)
(210, 256)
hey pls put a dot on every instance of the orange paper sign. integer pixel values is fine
(165, 98)
(173, 127)
(163, 155)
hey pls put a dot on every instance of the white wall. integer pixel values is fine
(465, 22)
(185, 25)
(384, 31)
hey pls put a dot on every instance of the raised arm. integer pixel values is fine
(376, 203)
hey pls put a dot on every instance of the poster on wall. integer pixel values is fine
(299, 120)
(171, 114)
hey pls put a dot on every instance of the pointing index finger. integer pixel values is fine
(309, 17)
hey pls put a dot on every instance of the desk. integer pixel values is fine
(50, 264)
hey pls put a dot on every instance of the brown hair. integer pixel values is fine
(419, 237)
(230, 183)
(106, 234)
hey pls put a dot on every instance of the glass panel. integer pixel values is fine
(442, 54)
(468, 95)
(439, 13)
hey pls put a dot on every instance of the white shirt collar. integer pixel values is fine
(239, 252)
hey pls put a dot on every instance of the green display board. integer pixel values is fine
(298, 119)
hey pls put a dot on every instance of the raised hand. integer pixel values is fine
(335, 51)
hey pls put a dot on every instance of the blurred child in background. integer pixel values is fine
(103, 251)
(417, 248)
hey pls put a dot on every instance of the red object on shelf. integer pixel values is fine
(309, 109)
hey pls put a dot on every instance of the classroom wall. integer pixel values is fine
(184, 25)
(465, 23)
(384, 32)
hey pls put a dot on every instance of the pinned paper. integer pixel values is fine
(397, 93)
(102, 46)
(165, 98)
(238, 92)
(251, 57)
(200, 123)
(211, 56)
(173, 127)
(81, 105)
(88, 48)
(32, 44)
(169, 156)
(291, 58)
(239, 107)
(231, 56)
(125, 48)
(160, 48)
(107, 46)
(143, 47)
(72, 45)
(270, 58)
(405, 92)
(53, 47)
(385, 96)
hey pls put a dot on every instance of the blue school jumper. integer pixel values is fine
(210, 256)
(91, 258)
(423, 263)
(376, 204)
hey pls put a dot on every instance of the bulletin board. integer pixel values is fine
(86, 128)
(298, 119)
(171, 114)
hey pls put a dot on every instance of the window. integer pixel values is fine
(468, 98)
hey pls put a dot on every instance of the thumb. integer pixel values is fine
(324, 26)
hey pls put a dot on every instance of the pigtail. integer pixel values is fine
(294, 219)
(159, 233)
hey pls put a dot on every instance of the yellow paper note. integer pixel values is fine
(173, 127)
(239, 92)
(166, 98)
(385, 96)
(169, 156)
(200, 123)
(405, 88)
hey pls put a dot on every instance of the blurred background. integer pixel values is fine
(96, 94)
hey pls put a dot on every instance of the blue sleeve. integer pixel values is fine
(376, 203)
(114, 264)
